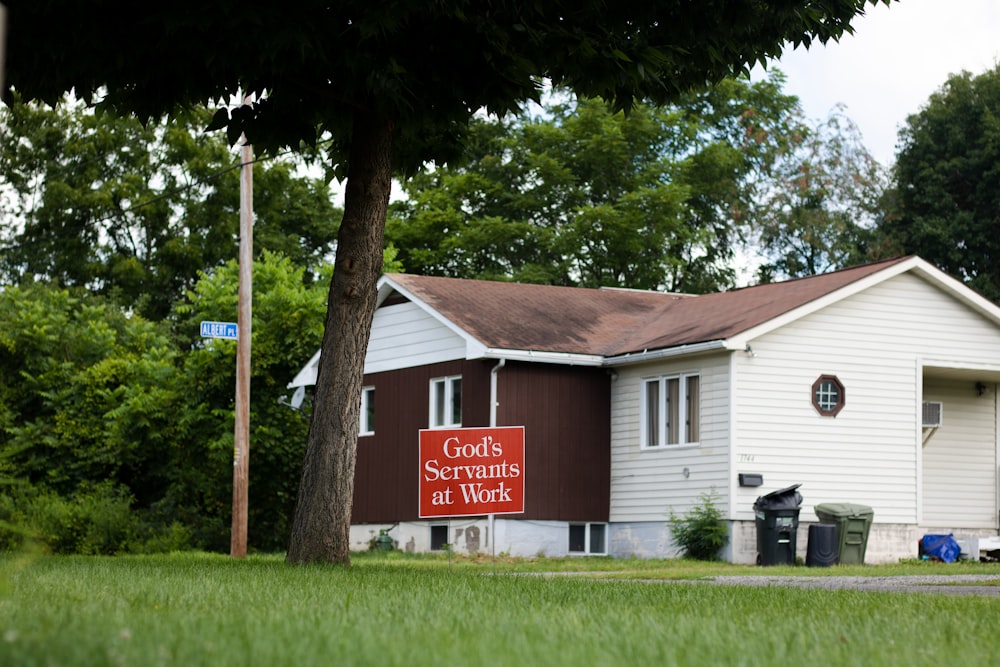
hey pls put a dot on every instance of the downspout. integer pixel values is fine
(491, 529)
(493, 391)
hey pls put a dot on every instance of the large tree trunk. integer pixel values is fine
(321, 527)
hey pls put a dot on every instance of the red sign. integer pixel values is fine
(471, 471)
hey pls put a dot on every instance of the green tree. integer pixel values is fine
(136, 211)
(395, 85)
(821, 203)
(947, 177)
(287, 327)
(92, 398)
(576, 193)
(87, 392)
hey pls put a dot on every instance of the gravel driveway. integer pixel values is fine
(943, 584)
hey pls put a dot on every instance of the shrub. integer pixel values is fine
(164, 539)
(702, 533)
(97, 519)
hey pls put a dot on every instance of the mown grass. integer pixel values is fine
(200, 609)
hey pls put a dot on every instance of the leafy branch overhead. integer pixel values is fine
(314, 64)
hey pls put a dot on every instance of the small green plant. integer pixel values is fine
(702, 533)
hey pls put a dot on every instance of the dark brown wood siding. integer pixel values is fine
(385, 480)
(566, 414)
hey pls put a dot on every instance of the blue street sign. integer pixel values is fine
(219, 330)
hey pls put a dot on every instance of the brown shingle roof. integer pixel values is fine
(610, 322)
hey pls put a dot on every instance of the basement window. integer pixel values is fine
(588, 538)
(828, 395)
(439, 537)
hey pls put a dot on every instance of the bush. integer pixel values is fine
(702, 533)
(98, 520)
(95, 520)
(175, 537)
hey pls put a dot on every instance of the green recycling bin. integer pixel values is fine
(853, 522)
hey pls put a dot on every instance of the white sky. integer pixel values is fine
(897, 57)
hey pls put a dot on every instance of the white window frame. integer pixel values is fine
(663, 412)
(367, 404)
(447, 411)
(588, 551)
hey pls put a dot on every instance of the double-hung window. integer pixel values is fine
(367, 421)
(671, 407)
(446, 402)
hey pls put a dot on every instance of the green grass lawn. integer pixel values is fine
(200, 609)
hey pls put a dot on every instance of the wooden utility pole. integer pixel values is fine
(241, 436)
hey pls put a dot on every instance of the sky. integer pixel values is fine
(897, 57)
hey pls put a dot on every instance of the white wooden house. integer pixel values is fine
(874, 385)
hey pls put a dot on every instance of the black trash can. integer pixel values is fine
(777, 520)
(822, 549)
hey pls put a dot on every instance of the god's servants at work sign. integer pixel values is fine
(471, 471)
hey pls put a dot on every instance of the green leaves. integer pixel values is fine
(91, 393)
(824, 203)
(135, 212)
(947, 171)
(702, 532)
(428, 66)
(220, 119)
(85, 385)
(576, 193)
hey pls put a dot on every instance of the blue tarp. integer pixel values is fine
(941, 547)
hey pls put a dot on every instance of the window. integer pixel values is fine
(446, 402)
(671, 408)
(828, 395)
(367, 421)
(439, 537)
(588, 538)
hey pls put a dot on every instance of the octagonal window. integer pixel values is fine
(828, 395)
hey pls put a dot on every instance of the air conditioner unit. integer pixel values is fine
(932, 414)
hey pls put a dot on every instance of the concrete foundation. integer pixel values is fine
(887, 543)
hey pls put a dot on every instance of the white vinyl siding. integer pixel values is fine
(647, 483)
(959, 457)
(405, 336)
(876, 343)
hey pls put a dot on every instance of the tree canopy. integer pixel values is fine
(394, 85)
(822, 203)
(948, 181)
(427, 65)
(93, 397)
(575, 193)
(134, 212)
